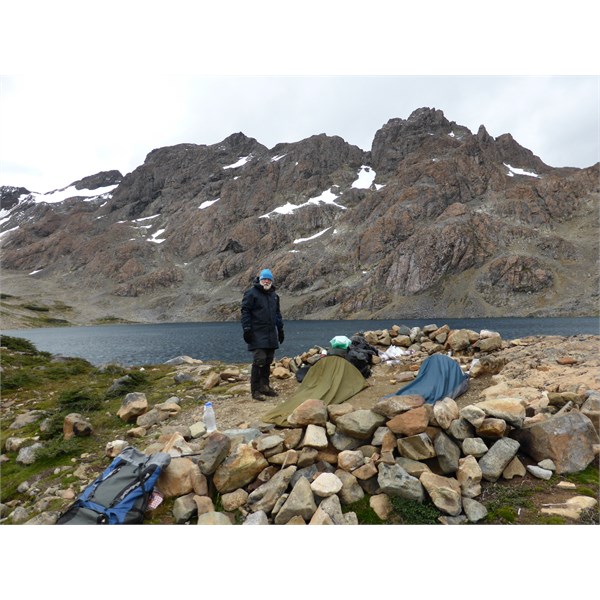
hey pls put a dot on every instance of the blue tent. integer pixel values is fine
(439, 377)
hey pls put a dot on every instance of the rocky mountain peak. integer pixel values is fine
(432, 221)
(399, 138)
(428, 117)
(9, 196)
(483, 137)
(239, 142)
(99, 180)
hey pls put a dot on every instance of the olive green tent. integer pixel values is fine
(332, 379)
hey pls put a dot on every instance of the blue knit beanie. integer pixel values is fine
(266, 274)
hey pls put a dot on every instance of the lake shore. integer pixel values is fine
(131, 345)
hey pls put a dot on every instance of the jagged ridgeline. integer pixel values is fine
(433, 220)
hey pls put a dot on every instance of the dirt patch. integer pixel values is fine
(242, 411)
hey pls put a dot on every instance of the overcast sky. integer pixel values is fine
(100, 92)
(81, 127)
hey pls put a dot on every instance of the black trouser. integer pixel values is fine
(261, 368)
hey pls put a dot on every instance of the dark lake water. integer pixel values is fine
(152, 344)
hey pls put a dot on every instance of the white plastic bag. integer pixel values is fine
(393, 353)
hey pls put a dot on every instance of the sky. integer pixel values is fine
(81, 127)
(92, 86)
(99, 93)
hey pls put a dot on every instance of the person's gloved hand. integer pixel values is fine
(281, 337)
(248, 335)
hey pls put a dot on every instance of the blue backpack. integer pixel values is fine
(119, 496)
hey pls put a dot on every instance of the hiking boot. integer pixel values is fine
(263, 382)
(268, 391)
(258, 396)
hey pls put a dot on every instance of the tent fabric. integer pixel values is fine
(439, 377)
(332, 379)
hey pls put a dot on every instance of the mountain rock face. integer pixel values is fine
(433, 221)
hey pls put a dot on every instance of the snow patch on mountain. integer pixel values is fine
(327, 197)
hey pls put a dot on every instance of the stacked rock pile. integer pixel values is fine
(410, 343)
(333, 456)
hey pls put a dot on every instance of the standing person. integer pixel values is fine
(263, 331)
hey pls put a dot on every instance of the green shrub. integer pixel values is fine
(364, 513)
(18, 344)
(18, 379)
(61, 448)
(131, 382)
(54, 427)
(70, 367)
(112, 370)
(411, 512)
(79, 401)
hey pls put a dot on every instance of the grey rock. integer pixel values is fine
(474, 446)
(19, 515)
(448, 453)
(448, 520)
(360, 424)
(343, 442)
(27, 455)
(257, 518)
(184, 508)
(182, 360)
(444, 492)
(474, 510)
(300, 502)
(416, 447)
(214, 452)
(214, 518)
(26, 419)
(333, 508)
(183, 377)
(497, 458)
(412, 467)
(308, 472)
(265, 497)
(567, 439)
(393, 480)
(351, 490)
(539, 472)
(246, 436)
(460, 429)
(44, 518)
(547, 464)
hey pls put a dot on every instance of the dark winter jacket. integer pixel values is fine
(262, 316)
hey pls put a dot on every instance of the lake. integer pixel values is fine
(144, 344)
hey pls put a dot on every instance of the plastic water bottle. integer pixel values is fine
(473, 365)
(210, 421)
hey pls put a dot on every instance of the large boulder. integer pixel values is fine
(568, 439)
